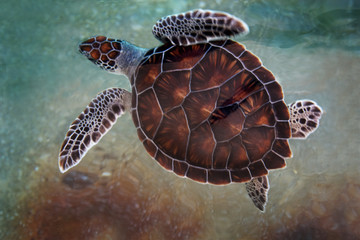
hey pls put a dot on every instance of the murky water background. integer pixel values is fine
(118, 191)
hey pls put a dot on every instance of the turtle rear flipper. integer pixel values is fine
(304, 118)
(198, 26)
(258, 189)
(92, 124)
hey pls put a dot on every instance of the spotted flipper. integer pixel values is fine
(304, 118)
(92, 124)
(258, 189)
(198, 26)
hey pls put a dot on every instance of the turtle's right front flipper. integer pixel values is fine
(92, 124)
(198, 26)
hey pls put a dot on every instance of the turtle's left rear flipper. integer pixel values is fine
(92, 124)
(258, 189)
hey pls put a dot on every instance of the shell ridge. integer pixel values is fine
(204, 90)
(256, 68)
(207, 119)
(224, 42)
(242, 100)
(251, 94)
(267, 83)
(157, 128)
(213, 136)
(246, 152)
(161, 64)
(188, 137)
(259, 109)
(254, 56)
(232, 53)
(156, 156)
(233, 76)
(206, 52)
(282, 94)
(229, 139)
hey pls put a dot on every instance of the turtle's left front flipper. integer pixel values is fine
(92, 124)
(258, 189)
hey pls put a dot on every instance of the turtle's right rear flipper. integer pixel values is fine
(92, 124)
(304, 118)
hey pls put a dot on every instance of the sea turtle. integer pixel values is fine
(204, 107)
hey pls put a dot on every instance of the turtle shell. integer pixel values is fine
(210, 112)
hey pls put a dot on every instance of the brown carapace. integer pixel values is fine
(210, 112)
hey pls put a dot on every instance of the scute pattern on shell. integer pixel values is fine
(210, 112)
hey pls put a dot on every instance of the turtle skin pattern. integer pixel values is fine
(210, 112)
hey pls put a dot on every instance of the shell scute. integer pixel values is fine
(227, 122)
(282, 148)
(258, 141)
(215, 68)
(264, 116)
(273, 161)
(149, 71)
(264, 75)
(238, 88)
(219, 176)
(238, 158)
(281, 111)
(180, 168)
(235, 48)
(258, 169)
(201, 140)
(171, 88)
(184, 57)
(164, 161)
(150, 116)
(197, 174)
(150, 147)
(275, 91)
(250, 61)
(172, 135)
(222, 151)
(283, 130)
(253, 102)
(242, 175)
(141, 135)
(198, 105)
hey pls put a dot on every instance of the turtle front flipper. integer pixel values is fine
(304, 118)
(258, 189)
(92, 124)
(198, 26)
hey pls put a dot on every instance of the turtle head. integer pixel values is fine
(104, 52)
(115, 56)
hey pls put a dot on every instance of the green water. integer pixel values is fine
(312, 47)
